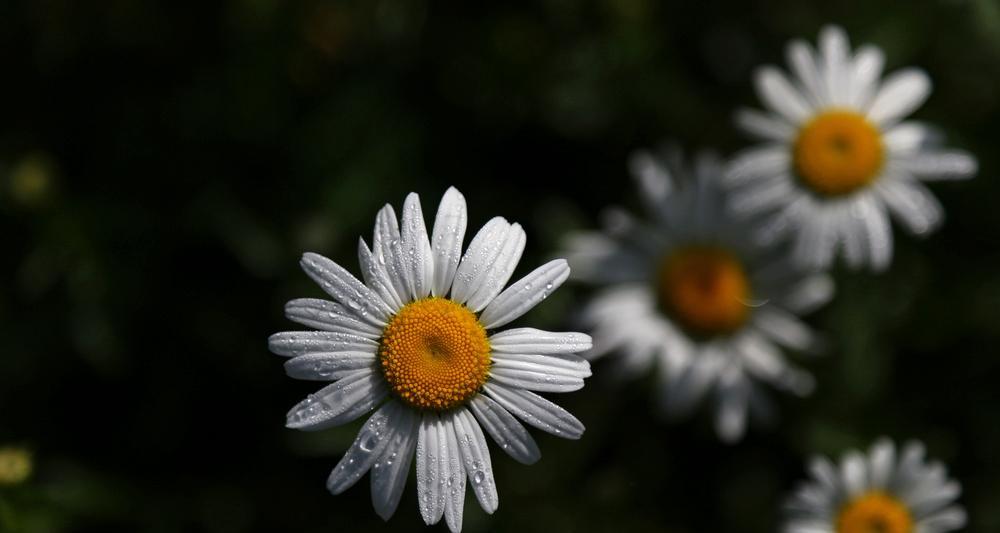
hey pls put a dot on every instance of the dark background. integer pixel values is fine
(163, 165)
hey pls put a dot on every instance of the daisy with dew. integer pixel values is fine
(418, 341)
(880, 492)
(692, 293)
(837, 155)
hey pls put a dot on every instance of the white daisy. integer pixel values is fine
(837, 156)
(418, 341)
(691, 292)
(877, 493)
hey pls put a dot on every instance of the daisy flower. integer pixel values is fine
(837, 156)
(879, 493)
(690, 292)
(418, 341)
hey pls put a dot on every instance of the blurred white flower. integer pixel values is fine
(837, 155)
(692, 293)
(878, 492)
(414, 340)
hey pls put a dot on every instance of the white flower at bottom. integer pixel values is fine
(414, 341)
(876, 493)
(690, 292)
(837, 156)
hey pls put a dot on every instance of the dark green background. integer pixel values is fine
(163, 165)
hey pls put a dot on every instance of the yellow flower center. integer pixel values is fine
(838, 152)
(434, 354)
(705, 290)
(875, 512)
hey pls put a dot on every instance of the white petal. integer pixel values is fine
(901, 93)
(295, 343)
(912, 204)
(454, 500)
(377, 277)
(907, 137)
(734, 399)
(432, 468)
(684, 389)
(448, 233)
(475, 263)
(418, 260)
(939, 165)
(390, 471)
(881, 460)
(499, 269)
(853, 474)
(536, 341)
(780, 96)
(652, 177)
(367, 447)
(803, 64)
(834, 49)
(809, 294)
(339, 402)
(765, 161)
(505, 430)
(385, 250)
(328, 366)
(346, 289)
(546, 373)
(865, 70)
(524, 294)
(328, 316)
(536, 411)
(476, 459)
(764, 127)
(950, 519)
(784, 328)
(878, 233)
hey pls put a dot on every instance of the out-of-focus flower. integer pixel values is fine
(876, 492)
(417, 340)
(837, 155)
(692, 293)
(32, 180)
(15, 465)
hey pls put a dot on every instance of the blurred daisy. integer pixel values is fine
(417, 341)
(837, 155)
(692, 293)
(879, 493)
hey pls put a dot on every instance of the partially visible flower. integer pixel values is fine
(419, 341)
(15, 465)
(692, 293)
(878, 492)
(837, 155)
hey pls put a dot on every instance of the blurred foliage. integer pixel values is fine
(163, 165)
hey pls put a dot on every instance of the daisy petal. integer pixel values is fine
(390, 471)
(339, 402)
(499, 269)
(531, 340)
(853, 474)
(418, 260)
(447, 236)
(295, 343)
(376, 277)
(734, 399)
(476, 458)
(346, 289)
(328, 366)
(900, 94)
(950, 519)
(912, 204)
(881, 460)
(385, 250)
(454, 495)
(803, 63)
(367, 447)
(834, 49)
(545, 373)
(536, 411)
(653, 178)
(877, 233)
(475, 264)
(505, 430)
(328, 316)
(524, 294)
(432, 468)
(764, 127)
(907, 137)
(940, 165)
(780, 96)
(865, 70)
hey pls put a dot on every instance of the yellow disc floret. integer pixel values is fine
(875, 512)
(838, 152)
(705, 290)
(434, 354)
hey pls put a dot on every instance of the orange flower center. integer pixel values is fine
(838, 152)
(434, 354)
(875, 512)
(705, 290)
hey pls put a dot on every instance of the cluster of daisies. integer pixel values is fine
(707, 290)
